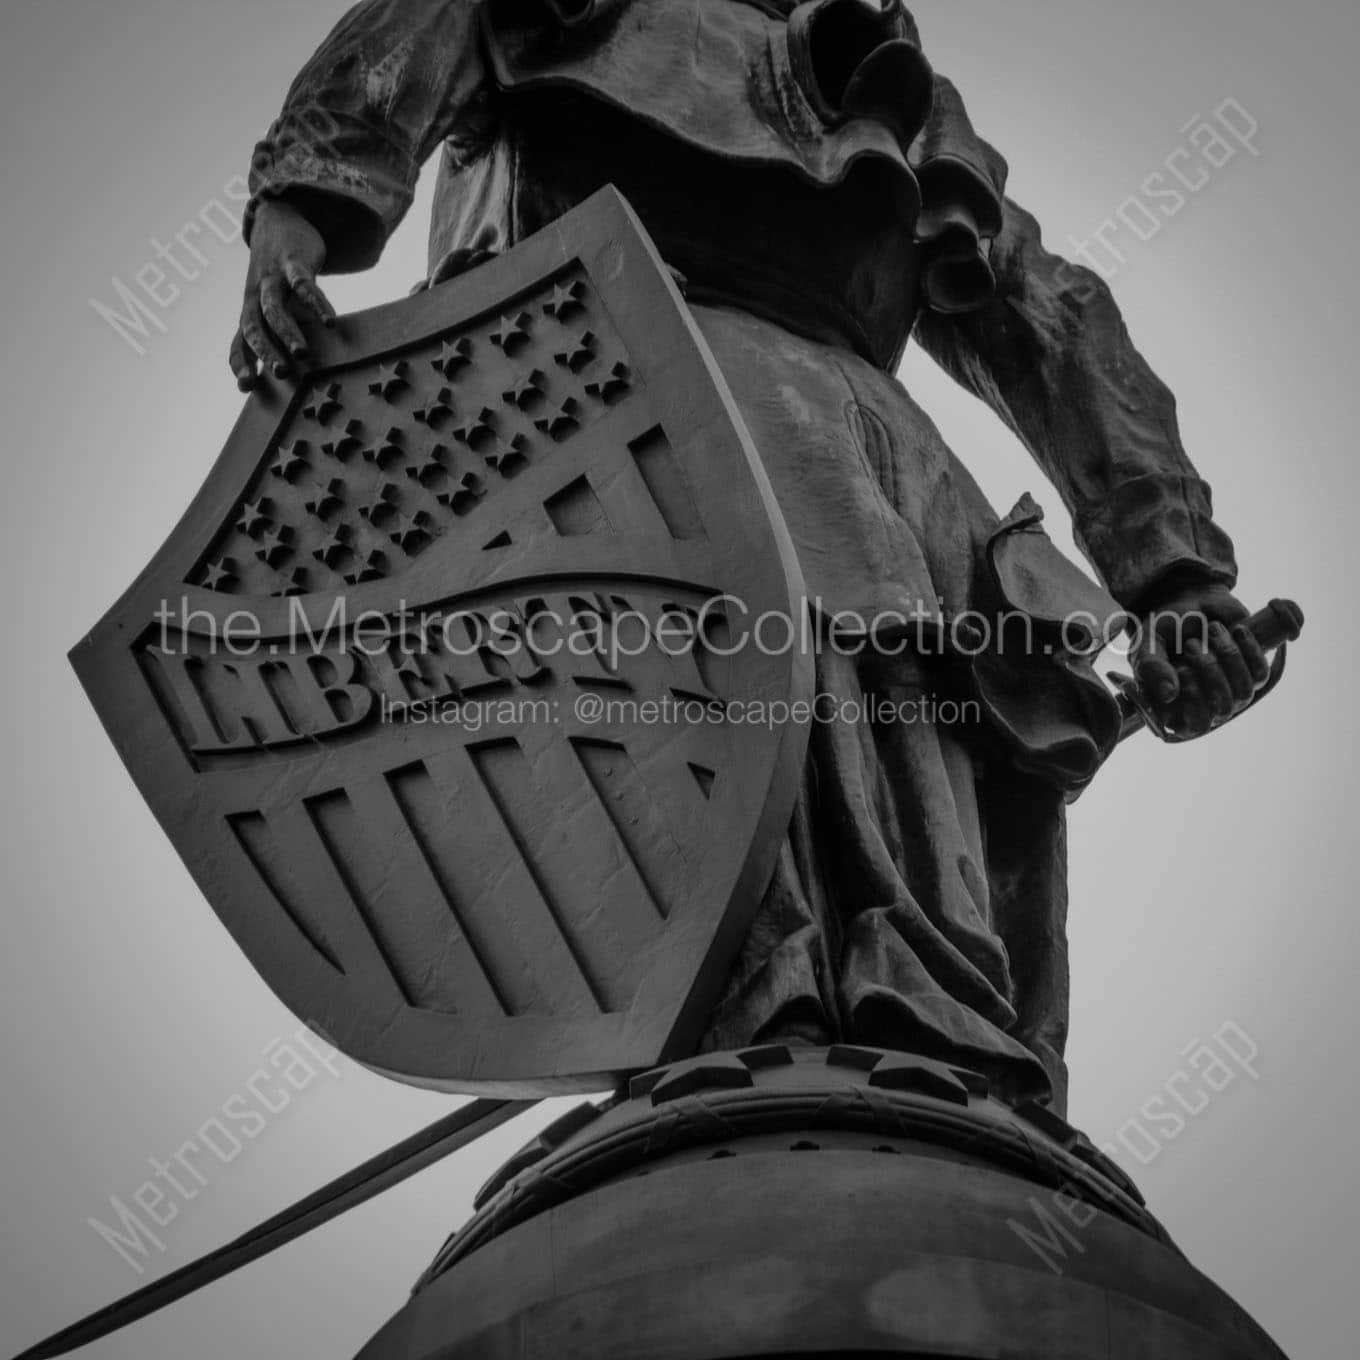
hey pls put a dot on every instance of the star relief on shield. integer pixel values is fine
(453, 356)
(391, 379)
(512, 331)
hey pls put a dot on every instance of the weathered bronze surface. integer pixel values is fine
(825, 197)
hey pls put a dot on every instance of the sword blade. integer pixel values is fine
(442, 1138)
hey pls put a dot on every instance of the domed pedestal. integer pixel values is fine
(820, 1202)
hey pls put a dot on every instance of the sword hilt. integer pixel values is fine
(1278, 624)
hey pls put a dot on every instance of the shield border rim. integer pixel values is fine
(104, 654)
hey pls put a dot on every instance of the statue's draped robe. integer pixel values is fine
(824, 196)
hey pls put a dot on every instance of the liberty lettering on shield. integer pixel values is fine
(280, 692)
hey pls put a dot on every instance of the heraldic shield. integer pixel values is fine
(435, 686)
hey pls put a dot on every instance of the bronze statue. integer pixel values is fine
(678, 250)
(824, 197)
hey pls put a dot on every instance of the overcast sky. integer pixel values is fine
(1211, 885)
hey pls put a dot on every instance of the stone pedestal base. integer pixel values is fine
(827, 1202)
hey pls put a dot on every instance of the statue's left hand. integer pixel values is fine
(286, 254)
(1197, 662)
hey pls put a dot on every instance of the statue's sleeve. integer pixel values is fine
(1051, 355)
(363, 115)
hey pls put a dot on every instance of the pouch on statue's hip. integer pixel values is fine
(1036, 677)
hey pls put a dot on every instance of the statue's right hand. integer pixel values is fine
(286, 254)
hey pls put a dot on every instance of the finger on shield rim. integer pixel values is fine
(242, 360)
(308, 292)
(279, 319)
(260, 341)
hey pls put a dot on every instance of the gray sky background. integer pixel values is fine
(1210, 884)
